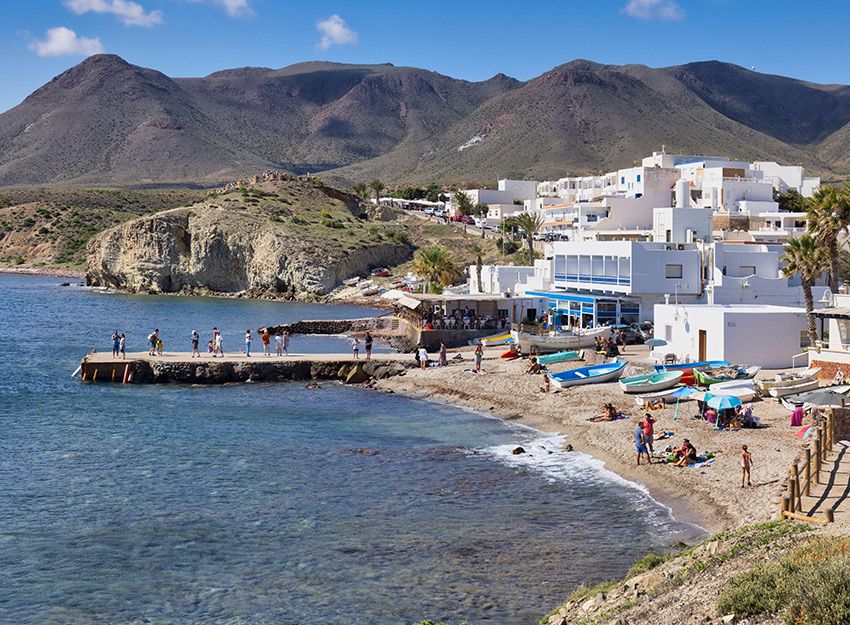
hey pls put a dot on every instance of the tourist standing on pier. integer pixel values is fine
(368, 343)
(286, 343)
(267, 341)
(196, 338)
(355, 347)
(153, 339)
(122, 346)
(444, 360)
(116, 341)
(278, 344)
(247, 343)
(218, 342)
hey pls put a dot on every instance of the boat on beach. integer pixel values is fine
(565, 356)
(742, 389)
(715, 375)
(787, 378)
(650, 383)
(644, 399)
(692, 365)
(593, 374)
(793, 389)
(794, 401)
(556, 342)
(503, 338)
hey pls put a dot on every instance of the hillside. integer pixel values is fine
(273, 235)
(49, 228)
(108, 121)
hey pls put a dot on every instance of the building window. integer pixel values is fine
(622, 180)
(668, 333)
(748, 270)
(638, 177)
(673, 271)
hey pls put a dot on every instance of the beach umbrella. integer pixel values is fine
(723, 402)
(653, 343)
(825, 397)
(680, 394)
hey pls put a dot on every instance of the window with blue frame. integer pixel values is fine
(638, 177)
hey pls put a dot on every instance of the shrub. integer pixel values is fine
(649, 562)
(333, 223)
(506, 246)
(326, 215)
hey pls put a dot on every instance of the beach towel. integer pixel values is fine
(804, 432)
(704, 463)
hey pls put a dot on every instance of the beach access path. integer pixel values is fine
(710, 496)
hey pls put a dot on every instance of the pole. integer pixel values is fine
(807, 472)
(796, 472)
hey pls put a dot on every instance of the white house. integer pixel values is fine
(769, 336)
(785, 178)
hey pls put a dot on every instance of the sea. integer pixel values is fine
(273, 503)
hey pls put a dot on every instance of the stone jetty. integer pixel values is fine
(181, 368)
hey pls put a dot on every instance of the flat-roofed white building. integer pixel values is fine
(751, 334)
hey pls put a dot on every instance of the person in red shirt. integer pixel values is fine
(648, 425)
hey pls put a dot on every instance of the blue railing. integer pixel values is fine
(571, 277)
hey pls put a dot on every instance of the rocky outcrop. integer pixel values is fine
(300, 243)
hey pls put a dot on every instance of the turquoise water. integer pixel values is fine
(256, 504)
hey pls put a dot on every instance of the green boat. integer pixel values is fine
(566, 356)
(650, 383)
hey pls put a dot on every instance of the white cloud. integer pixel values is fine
(666, 10)
(60, 41)
(335, 32)
(130, 13)
(234, 8)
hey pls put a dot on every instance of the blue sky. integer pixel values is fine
(471, 39)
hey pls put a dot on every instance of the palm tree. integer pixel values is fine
(361, 190)
(806, 257)
(530, 224)
(377, 187)
(436, 265)
(829, 216)
(463, 203)
(476, 249)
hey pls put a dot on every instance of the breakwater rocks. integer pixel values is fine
(375, 325)
(151, 372)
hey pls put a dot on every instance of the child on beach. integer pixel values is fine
(746, 463)
(479, 354)
(159, 345)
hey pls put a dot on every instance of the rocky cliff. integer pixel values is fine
(273, 235)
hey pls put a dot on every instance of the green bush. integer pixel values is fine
(326, 215)
(506, 246)
(649, 562)
(809, 587)
(333, 223)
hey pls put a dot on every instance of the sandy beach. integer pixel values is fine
(710, 496)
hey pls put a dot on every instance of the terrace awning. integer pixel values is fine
(833, 313)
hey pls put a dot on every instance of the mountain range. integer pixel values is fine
(108, 121)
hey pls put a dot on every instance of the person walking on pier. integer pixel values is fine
(355, 348)
(116, 342)
(218, 343)
(122, 346)
(368, 343)
(286, 343)
(278, 344)
(267, 340)
(196, 338)
(247, 343)
(153, 339)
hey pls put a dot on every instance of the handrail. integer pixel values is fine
(799, 484)
(796, 356)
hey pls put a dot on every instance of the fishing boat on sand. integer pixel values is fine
(645, 399)
(835, 394)
(692, 365)
(565, 356)
(742, 389)
(545, 343)
(589, 375)
(787, 378)
(793, 389)
(713, 375)
(503, 338)
(650, 383)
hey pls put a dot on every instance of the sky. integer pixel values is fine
(470, 39)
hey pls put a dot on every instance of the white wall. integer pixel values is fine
(521, 189)
(768, 336)
(497, 279)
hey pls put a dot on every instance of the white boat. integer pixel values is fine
(588, 375)
(650, 383)
(793, 389)
(793, 401)
(742, 389)
(545, 343)
(787, 378)
(647, 398)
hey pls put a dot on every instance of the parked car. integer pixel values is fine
(632, 337)
(644, 330)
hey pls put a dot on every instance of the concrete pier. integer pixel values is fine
(141, 368)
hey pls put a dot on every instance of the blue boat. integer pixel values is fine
(692, 365)
(589, 375)
(551, 359)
